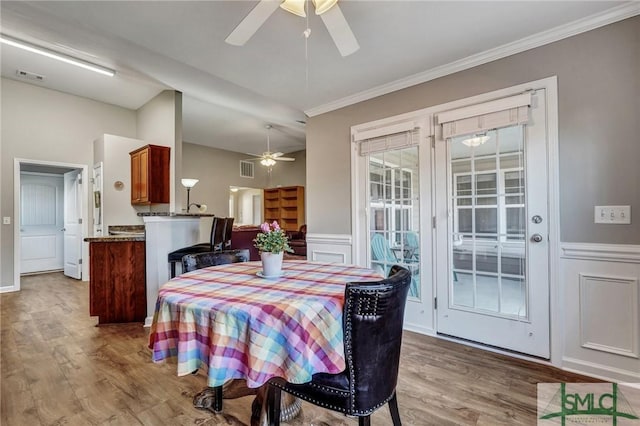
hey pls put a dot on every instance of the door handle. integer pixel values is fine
(63, 229)
(536, 238)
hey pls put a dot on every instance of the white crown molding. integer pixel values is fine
(626, 253)
(615, 14)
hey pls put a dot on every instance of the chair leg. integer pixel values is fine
(273, 402)
(364, 421)
(217, 402)
(393, 408)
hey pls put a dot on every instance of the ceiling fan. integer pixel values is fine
(269, 158)
(328, 10)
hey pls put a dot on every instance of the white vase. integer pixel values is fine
(271, 264)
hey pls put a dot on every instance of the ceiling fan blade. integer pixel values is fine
(252, 22)
(284, 159)
(277, 154)
(340, 31)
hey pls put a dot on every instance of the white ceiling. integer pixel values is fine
(230, 93)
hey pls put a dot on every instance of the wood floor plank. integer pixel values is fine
(58, 367)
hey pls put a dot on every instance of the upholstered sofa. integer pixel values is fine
(242, 238)
(298, 241)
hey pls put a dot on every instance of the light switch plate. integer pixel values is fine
(619, 215)
(6, 220)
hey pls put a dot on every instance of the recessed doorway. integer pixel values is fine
(41, 202)
(245, 205)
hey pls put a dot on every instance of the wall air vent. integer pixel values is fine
(246, 169)
(29, 75)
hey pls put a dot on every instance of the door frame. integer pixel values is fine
(550, 84)
(17, 162)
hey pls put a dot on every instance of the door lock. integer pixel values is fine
(536, 238)
(536, 219)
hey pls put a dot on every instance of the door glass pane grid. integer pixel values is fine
(487, 242)
(394, 212)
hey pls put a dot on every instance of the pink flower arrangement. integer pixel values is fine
(272, 239)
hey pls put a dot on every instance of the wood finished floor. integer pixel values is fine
(58, 368)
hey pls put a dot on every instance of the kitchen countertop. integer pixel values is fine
(115, 238)
(120, 233)
(167, 214)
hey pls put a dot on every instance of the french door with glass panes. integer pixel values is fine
(394, 212)
(492, 246)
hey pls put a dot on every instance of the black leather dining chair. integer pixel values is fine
(219, 239)
(373, 317)
(191, 262)
(212, 398)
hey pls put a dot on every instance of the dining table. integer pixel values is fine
(239, 326)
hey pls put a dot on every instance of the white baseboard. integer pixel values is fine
(416, 328)
(599, 371)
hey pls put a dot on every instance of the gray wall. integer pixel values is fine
(218, 169)
(46, 125)
(160, 123)
(599, 129)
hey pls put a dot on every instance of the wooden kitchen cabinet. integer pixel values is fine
(117, 289)
(150, 174)
(286, 206)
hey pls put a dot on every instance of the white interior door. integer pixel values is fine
(98, 210)
(492, 246)
(72, 224)
(41, 222)
(257, 209)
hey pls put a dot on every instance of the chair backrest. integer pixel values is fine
(373, 321)
(411, 240)
(221, 233)
(191, 262)
(380, 249)
(228, 228)
(216, 231)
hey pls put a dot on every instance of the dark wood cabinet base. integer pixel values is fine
(117, 291)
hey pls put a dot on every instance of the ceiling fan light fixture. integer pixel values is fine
(294, 6)
(323, 5)
(476, 140)
(268, 162)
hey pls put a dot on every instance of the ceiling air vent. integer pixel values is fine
(246, 169)
(29, 75)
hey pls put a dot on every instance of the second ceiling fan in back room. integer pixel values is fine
(328, 10)
(269, 158)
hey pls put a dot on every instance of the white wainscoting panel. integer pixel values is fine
(609, 314)
(329, 248)
(599, 287)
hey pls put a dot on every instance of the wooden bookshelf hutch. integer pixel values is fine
(285, 205)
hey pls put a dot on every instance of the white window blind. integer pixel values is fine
(486, 116)
(389, 142)
(394, 136)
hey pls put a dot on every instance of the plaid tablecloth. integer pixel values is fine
(239, 326)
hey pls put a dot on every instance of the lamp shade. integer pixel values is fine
(294, 6)
(323, 5)
(189, 183)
